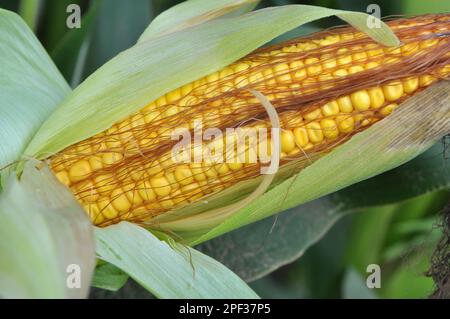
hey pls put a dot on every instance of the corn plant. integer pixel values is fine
(89, 180)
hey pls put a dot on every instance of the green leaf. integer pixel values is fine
(43, 231)
(29, 11)
(419, 7)
(109, 277)
(54, 21)
(30, 87)
(409, 280)
(167, 271)
(369, 229)
(149, 69)
(426, 174)
(117, 27)
(193, 12)
(260, 248)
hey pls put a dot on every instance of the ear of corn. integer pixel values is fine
(150, 69)
(326, 88)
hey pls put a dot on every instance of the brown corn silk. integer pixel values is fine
(325, 88)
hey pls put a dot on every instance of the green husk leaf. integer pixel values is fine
(43, 231)
(193, 12)
(403, 135)
(168, 270)
(149, 69)
(109, 277)
(30, 87)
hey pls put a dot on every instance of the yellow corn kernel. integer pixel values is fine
(106, 209)
(328, 61)
(79, 171)
(371, 65)
(340, 73)
(329, 128)
(183, 175)
(166, 203)
(342, 58)
(193, 190)
(425, 80)
(160, 186)
(360, 100)
(360, 120)
(345, 104)
(287, 140)
(197, 172)
(63, 177)
(346, 124)
(410, 85)
(87, 191)
(355, 69)
(376, 97)
(315, 133)
(133, 196)
(312, 115)
(410, 48)
(393, 91)
(222, 168)
(170, 176)
(105, 183)
(300, 74)
(388, 109)
(331, 108)
(145, 190)
(94, 213)
(119, 200)
(96, 163)
(111, 158)
(313, 66)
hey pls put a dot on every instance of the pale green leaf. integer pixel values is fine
(167, 271)
(43, 231)
(193, 12)
(150, 69)
(30, 87)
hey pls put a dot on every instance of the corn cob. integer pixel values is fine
(326, 88)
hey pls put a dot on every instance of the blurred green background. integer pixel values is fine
(400, 238)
